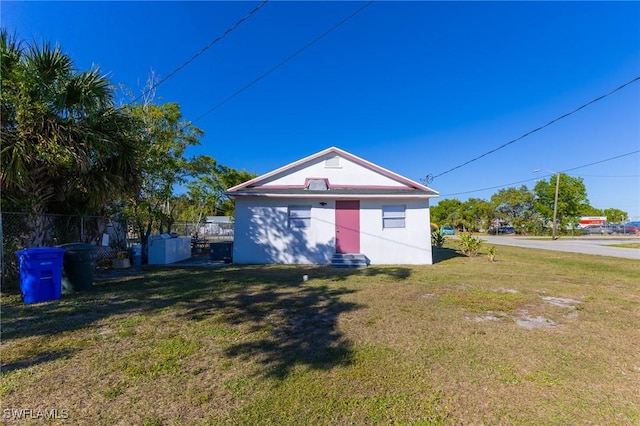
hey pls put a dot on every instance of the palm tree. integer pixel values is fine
(63, 141)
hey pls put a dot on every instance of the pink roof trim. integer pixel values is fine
(397, 188)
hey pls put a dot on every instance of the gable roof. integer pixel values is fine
(263, 186)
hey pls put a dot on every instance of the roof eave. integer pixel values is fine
(332, 196)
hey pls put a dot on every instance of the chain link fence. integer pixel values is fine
(213, 231)
(110, 235)
(25, 230)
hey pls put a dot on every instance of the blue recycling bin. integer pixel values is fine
(40, 271)
(136, 254)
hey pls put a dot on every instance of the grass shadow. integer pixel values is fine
(395, 272)
(151, 288)
(286, 326)
(443, 254)
(295, 319)
(36, 360)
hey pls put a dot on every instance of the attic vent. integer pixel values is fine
(317, 185)
(333, 162)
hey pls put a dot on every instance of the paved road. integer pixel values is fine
(587, 245)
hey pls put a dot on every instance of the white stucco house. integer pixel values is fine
(332, 207)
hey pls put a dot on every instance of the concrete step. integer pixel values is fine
(349, 260)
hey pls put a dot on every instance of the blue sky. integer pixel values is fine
(415, 87)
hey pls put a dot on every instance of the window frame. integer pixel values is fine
(394, 216)
(299, 216)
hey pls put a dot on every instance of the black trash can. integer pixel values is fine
(79, 266)
(221, 251)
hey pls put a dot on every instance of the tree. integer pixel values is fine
(572, 198)
(165, 136)
(476, 213)
(203, 191)
(515, 206)
(230, 177)
(446, 211)
(207, 189)
(615, 215)
(63, 141)
(591, 211)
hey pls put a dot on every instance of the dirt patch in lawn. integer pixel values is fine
(523, 318)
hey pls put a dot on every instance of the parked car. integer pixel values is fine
(614, 228)
(630, 228)
(447, 230)
(497, 230)
(594, 229)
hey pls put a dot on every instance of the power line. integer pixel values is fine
(599, 98)
(491, 187)
(281, 63)
(536, 178)
(611, 176)
(204, 49)
(602, 161)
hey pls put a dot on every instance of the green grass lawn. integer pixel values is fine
(625, 245)
(537, 337)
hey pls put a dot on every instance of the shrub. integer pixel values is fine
(469, 245)
(491, 253)
(437, 239)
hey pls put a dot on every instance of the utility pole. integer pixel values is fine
(555, 202)
(555, 207)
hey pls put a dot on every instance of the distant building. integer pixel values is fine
(217, 226)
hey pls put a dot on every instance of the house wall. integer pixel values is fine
(348, 173)
(263, 236)
(410, 245)
(262, 233)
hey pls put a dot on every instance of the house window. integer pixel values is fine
(393, 216)
(317, 185)
(299, 216)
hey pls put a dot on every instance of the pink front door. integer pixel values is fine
(348, 226)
